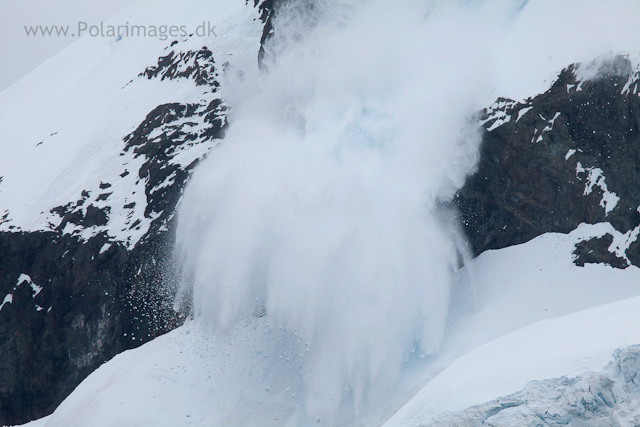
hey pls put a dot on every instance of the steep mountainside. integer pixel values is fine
(186, 378)
(86, 264)
(566, 157)
(99, 144)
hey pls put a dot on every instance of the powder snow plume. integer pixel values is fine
(316, 213)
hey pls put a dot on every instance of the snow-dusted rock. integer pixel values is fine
(97, 147)
(565, 157)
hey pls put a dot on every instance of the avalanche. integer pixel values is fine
(535, 316)
(326, 286)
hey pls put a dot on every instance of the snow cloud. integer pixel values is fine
(316, 212)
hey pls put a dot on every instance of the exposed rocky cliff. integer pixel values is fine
(568, 156)
(97, 279)
(88, 278)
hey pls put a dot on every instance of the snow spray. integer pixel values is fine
(316, 212)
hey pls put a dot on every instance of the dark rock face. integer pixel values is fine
(596, 250)
(199, 66)
(99, 279)
(77, 295)
(268, 11)
(271, 11)
(78, 308)
(566, 157)
(158, 153)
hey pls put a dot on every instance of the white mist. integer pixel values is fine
(315, 214)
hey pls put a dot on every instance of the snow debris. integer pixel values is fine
(7, 300)
(522, 112)
(569, 154)
(551, 123)
(596, 177)
(634, 79)
(499, 122)
(526, 323)
(26, 278)
(497, 113)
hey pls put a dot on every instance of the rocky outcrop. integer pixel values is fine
(71, 307)
(197, 65)
(610, 398)
(94, 276)
(566, 157)
(98, 279)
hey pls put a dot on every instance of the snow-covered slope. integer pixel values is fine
(606, 397)
(190, 378)
(58, 161)
(571, 346)
(98, 144)
(96, 147)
